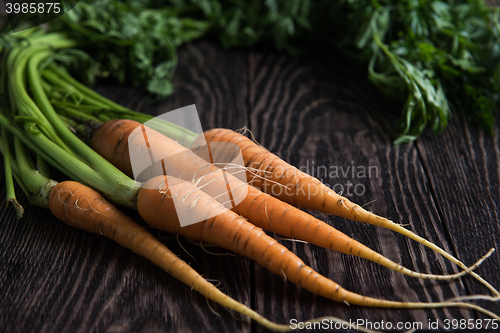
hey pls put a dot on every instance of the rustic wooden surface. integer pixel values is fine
(312, 111)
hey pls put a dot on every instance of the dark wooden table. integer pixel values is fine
(313, 111)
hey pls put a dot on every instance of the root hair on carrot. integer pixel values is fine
(211, 309)
(183, 248)
(369, 202)
(244, 130)
(284, 275)
(291, 240)
(216, 254)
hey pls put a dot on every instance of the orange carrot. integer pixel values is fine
(120, 136)
(291, 185)
(86, 209)
(228, 230)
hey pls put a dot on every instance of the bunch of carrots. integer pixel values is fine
(51, 120)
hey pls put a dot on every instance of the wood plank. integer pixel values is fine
(312, 109)
(56, 278)
(320, 110)
(462, 166)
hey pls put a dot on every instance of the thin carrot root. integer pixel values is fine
(228, 230)
(182, 247)
(290, 240)
(84, 208)
(308, 192)
(474, 297)
(170, 158)
(360, 214)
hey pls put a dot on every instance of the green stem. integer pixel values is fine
(68, 122)
(97, 99)
(42, 166)
(9, 181)
(74, 168)
(24, 104)
(51, 138)
(61, 78)
(37, 185)
(33, 145)
(115, 184)
(70, 111)
(68, 89)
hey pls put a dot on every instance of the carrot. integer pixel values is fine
(122, 136)
(155, 204)
(48, 136)
(296, 187)
(84, 208)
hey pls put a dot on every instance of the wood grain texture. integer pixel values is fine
(317, 112)
(54, 278)
(462, 166)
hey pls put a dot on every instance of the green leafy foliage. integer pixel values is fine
(440, 55)
(130, 41)
(434, 56)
